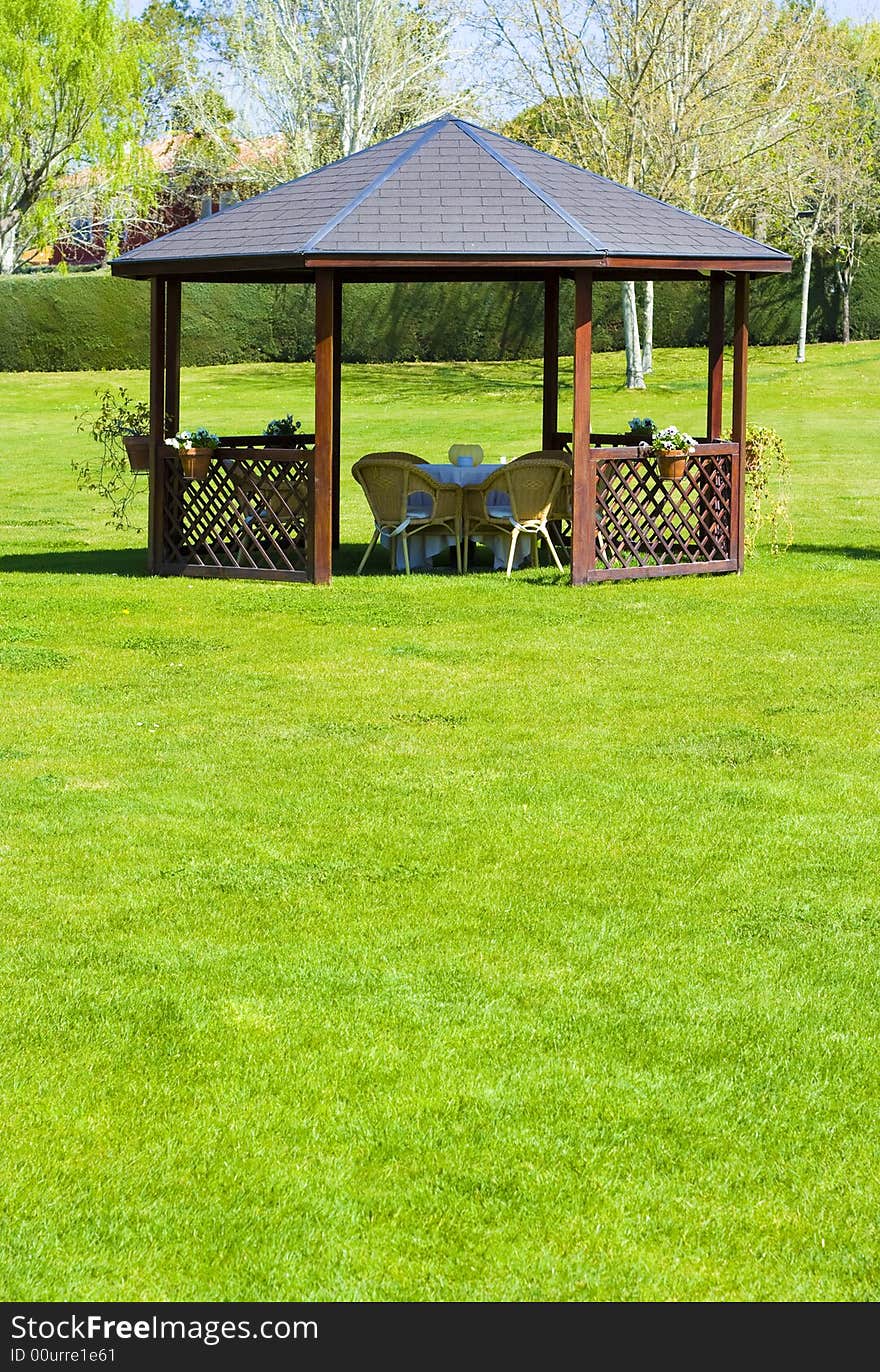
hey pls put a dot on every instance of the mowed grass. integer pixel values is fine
(441, 938)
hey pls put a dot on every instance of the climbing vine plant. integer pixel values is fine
(767, 489)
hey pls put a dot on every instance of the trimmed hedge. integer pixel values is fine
(90, 321)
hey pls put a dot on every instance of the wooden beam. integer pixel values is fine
(433, 272)
(715, 395)
(627, 265)
(296, 266)
(583, 524)
(550, 420)
(157, 425)
(648, 274)
(758, 265)
(372, 275)
(337, 403)
(738, 427)
(172, 356)
(325, 335)
(242, 277)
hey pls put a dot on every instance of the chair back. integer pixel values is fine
(532, 486)
(383, 480)
(396, 489)
(428, 498)
(394, 457)
(544, 455)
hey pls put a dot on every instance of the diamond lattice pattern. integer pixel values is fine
(642, 521)
(248, 514)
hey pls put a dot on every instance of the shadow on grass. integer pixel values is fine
(838, 550)
(346, 560)
(133, 562)
(80, 562)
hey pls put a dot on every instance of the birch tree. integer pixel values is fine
(822, 188)
(383, 64)
(853, 159)
(682, 99)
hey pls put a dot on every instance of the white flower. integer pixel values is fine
(671, 439)
(193, 438)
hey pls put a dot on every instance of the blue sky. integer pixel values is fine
(854, 9)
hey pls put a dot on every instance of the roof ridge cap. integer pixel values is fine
(474, 132)
(394, 165)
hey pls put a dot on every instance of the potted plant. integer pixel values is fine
(672, 447)
(282, 430)
(120, 423)
(119, 426)
(641, 430)
(194, 447)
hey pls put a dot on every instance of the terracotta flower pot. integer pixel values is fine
(138, 450)
(195, 462)
(672, 465)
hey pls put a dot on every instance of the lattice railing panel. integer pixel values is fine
(250, 514)
(643, 521)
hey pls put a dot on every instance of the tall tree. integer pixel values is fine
(682, 99)
(854, 159)
(270, 46)
(69, 94)
(172, 32)
(822, 188)
(336, 75)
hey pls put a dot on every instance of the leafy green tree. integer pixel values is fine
(70, 84)
(822, 182)
(854, 157)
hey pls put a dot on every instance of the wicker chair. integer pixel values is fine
(561, 512)
(405, 501)
(528, 491)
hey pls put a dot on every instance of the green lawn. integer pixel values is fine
(441, 938)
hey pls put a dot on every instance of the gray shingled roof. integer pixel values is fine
(450, 188)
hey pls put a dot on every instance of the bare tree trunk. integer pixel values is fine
(635, 380)
(8, 246)
(648, 330)
(805, 299)
(843, 285)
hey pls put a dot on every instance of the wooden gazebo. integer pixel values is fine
(448, 202)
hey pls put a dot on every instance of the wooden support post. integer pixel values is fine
(172, 355)
(337, 405)
(157, 424)
(583, 526)
(325, 372)
(738, 428)
(550, 421)
(714, 399)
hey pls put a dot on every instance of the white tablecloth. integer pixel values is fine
(423, 548)
(451, 475)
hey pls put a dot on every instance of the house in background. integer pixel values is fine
(196, 177)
